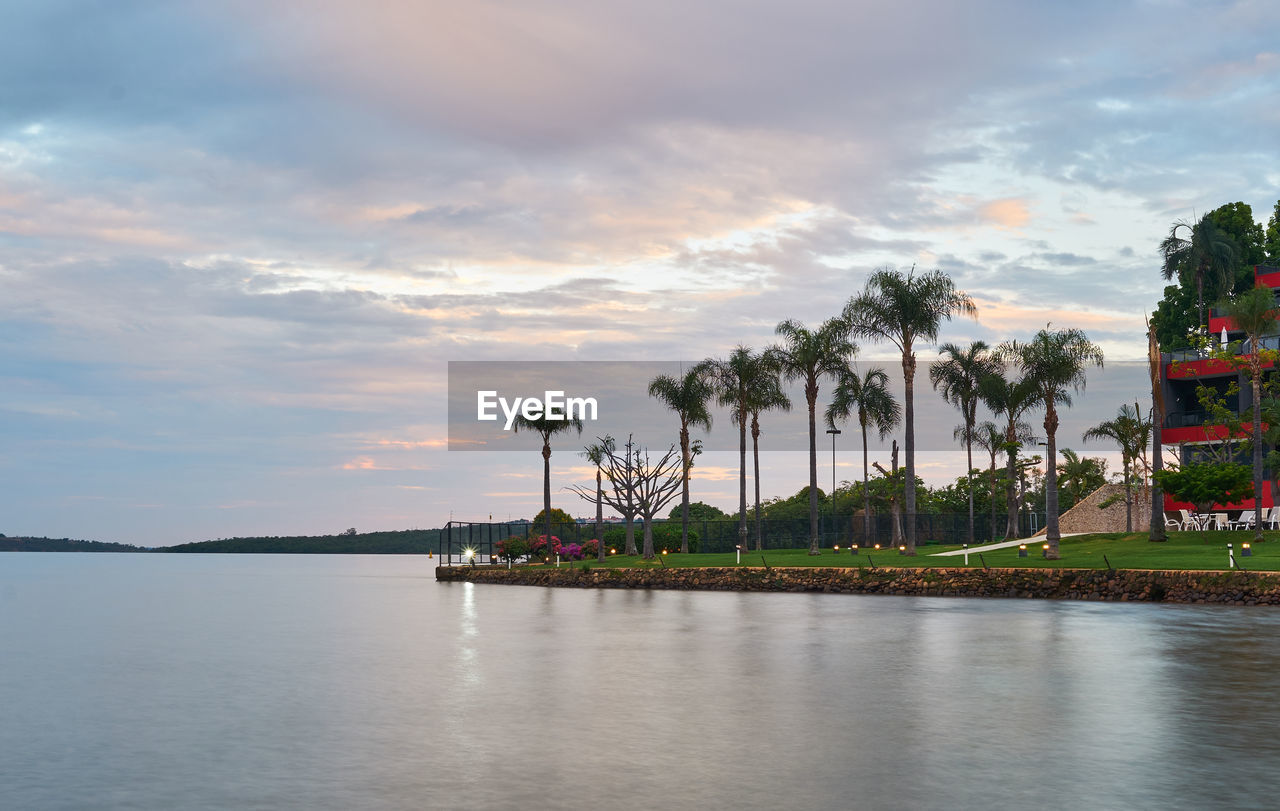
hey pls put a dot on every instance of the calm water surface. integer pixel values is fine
(221, 681)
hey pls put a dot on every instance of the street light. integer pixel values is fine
(835, 432)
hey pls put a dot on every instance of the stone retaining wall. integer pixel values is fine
(1229, 588)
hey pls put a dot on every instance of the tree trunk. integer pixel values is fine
(1128, 495)
(648, 538)
(909, 416)
(1051, 480)
(1011, 497)
(866, 483)
(599, 518)
(684, 492)
(968, 447)
(895, 503)
(546, 494)
(755, 457)
(811, 394)
(1156, 533)
(1200, 294)
(631, 536)
(1257, 443)
(995, 515)
(742, 477)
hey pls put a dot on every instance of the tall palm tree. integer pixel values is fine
(1056, 362)
(1126, 429)
(902, 309)
(1201, 251)
(547, 428)
(869, 397)
(595, 454)
(766, 395)
(959, 378)
(809, 355)
(732, 379)
(1010, 399)
(990, 437)
(687, 396)
(1254, 312)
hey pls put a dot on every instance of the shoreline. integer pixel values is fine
(1094, 585)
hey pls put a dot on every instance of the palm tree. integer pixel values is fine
(596, 455)
(989, 436)
(687, 397)
(1055, 361)
(1010, 399)
(960, 377)
(546, 428)
(869, 397)
(1254, 312)
(1126, 429)
(1081, 475)
(732, 380)
(766, 395)
(809, 355)
(1204, 252)
(902, 309)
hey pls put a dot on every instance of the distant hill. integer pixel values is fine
(64, 545)
(402, 542)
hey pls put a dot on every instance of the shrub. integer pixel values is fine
(590, 548)
(665, 536)
(513, 548)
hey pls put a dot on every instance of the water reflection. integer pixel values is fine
(356, 682)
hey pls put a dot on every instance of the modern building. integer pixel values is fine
(1186, 423)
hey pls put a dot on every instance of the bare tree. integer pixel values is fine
(659, 483)
(637, 486)
(623, 490)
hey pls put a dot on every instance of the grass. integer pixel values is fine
(1183, 550)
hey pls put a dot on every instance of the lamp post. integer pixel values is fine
(834, 433)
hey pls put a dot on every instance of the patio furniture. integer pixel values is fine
(1271, 518)
(1189, 520)
(1218, 521)
(1171, 522)
(1245, 521)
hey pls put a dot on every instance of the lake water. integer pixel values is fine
(221, 681)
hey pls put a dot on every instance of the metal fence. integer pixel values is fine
(482, 538)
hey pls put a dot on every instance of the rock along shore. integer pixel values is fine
(1126, 585)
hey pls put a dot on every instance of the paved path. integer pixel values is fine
(973, 550)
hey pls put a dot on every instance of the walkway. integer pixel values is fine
(973, 550)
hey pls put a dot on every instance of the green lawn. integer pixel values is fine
(1183, 550)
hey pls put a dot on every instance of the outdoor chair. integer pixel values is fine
(1189, 521)
(1218, 521)
(1245, 521)
(1272, 518)
(1171, 522)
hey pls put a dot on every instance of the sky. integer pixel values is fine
(240, 242)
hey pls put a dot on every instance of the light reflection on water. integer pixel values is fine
(340, 682)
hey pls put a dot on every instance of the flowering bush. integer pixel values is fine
(590, 548)
(571, 551)
(512, 548)
(538, 545)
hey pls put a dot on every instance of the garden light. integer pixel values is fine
(1246, 550)
(1022, 550)
(613, 551)
(902, 550)
(837, 548)
(877, 547)
(1044, 551)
